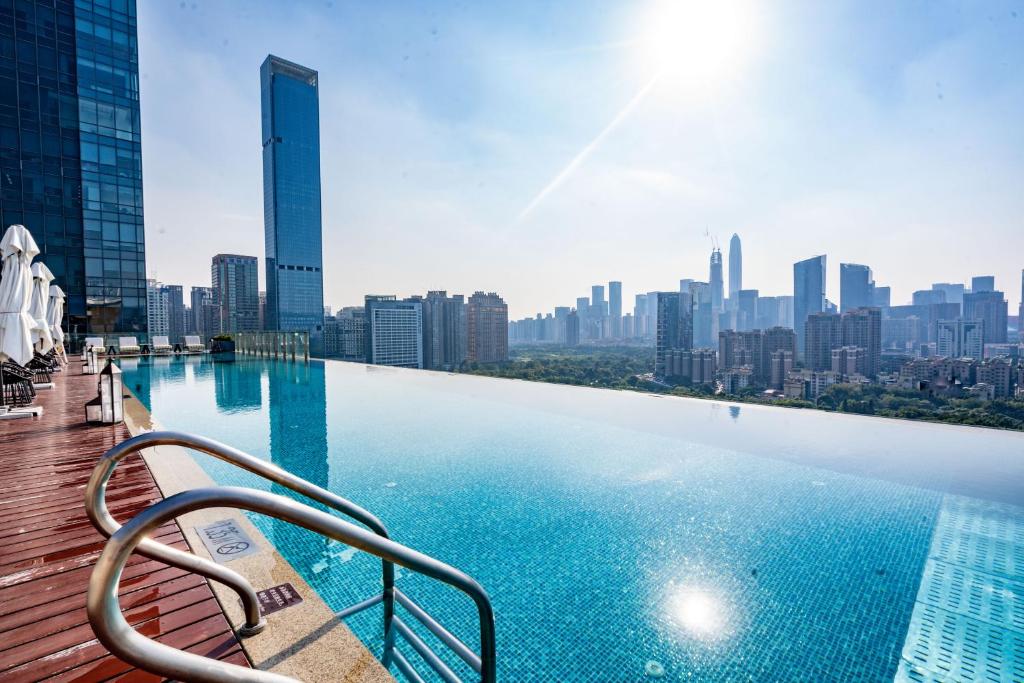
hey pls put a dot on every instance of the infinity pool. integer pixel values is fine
(630, 537)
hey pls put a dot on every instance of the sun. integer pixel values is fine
(695, 43)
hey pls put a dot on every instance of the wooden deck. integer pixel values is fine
(48, 548)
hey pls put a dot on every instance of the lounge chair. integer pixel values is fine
(126, 345)
(16, 388)
(161, 345)
(96, 343)
(193, 343)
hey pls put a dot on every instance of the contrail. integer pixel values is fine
(590, 147)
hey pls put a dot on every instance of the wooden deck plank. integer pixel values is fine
(48, 548)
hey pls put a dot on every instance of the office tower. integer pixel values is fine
(717, 282)
(786, 316)
(808, 295)
(597, 301)
(205, 312)
(615, 308)
(954, 291)
(236, 292)
(881, 297)
(674, 327)
(394, 331)
(735, 267)
(960, 339)
(856, 287)
(445, 332)
(746, 309)
(175, 313)
(862, 327)
(823, 333)
(291, 199)
(157, 308)
(627, 326)
(991, 308)
(701, 310)
(70, 153)
(487, 324)
(572, 329)
(983, 283)
(926, 297)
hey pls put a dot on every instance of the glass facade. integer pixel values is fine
(70, 151)
(291, 199)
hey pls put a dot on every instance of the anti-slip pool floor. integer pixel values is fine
(968, 621)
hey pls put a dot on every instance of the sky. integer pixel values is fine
(536, 149)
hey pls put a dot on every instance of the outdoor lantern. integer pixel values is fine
(92, 364)
(108, 407)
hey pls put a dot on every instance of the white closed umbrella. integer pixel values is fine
(55, 314)
(42, 338)
(17, 249)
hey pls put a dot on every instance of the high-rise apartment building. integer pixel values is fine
(487, 328)
(615, 308)
(674, 327)
(856, 287)
(823, 333)
(394, 332)
(960, 339)
(165, 310)
(735, 267)
(445, 331)
(71, 154)
(291, 198)
(236, 292)
(862, 327)
(808, 295)
(345, 334)
(991, 308)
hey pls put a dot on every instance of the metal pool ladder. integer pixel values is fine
(122, 640)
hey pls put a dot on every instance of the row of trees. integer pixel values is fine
(623, 368)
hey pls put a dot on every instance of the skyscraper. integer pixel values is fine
(394, 332)
(71, 155)
(615, 308)
(674, 327)
(991, 308)
(236, 292)
(487, 328)
(291, 198)
(983, 283)
(808, 295)
(954, 291)
(856, 287)
(205, 313)
(444, 331)
(823, 332)
(717, 284)
(597, 301)
(735, 267)
(746, 309)
(862, 328)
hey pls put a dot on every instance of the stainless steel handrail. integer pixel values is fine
(121, 639)
(96, 508)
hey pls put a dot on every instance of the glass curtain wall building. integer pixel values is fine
(70, 152)
(291, 199)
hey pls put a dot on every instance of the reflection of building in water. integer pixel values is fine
(201, 365)
(298, 444)
(237, 386)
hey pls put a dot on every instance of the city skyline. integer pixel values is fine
(440, 147)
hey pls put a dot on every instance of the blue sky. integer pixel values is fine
(875, 132)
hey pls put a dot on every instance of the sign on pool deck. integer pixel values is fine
(277, 598)
(226, 540)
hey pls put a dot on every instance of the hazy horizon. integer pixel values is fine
(537, 150)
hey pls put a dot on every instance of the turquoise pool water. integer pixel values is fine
(622, 536)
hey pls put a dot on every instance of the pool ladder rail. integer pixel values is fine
(121, 639)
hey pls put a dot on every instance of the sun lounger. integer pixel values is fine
(161, 345)
(193, 343)
(127, 345)
(96, 343)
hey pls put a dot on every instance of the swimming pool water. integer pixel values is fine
(621, 536)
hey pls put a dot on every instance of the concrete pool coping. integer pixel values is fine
(305, 641)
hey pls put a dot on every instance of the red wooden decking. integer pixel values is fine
(48, 548)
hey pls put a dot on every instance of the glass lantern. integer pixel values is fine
(92, 363)
(108, 407)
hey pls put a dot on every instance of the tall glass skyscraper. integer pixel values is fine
(735, 268)
(808, 295)
(70, 152)
(291, 199)
(856, 287)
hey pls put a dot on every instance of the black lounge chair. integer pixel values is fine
(16, 390)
